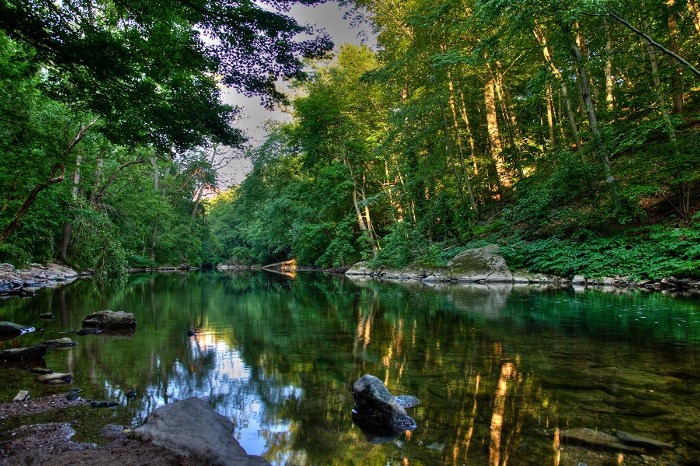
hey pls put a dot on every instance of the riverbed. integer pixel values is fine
(502, 372)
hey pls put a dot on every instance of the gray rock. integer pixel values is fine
(21, 396)
(579, 280)
(480, 265)
(378, 408)
(103, 404)
(57, 378)
(193, 428)
(360, 269)
(642, 441)
(110, 320)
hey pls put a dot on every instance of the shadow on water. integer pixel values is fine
(500, 371)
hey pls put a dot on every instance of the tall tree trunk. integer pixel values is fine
(509, 117)
(460, 148)
(676, 78)
(550, 113)
(609, 97)
(504, 179)
(547, 53)
(156, 173)
(97, 178)
(363, 218)
(75, 193)
(470, 134)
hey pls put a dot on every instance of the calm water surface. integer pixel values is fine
(498, 369)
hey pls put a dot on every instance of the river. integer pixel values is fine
(500, 371)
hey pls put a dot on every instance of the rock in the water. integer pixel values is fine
(193, 428)
(57, 378)
(73, 394)
(23, 354)
(641, 441)
(407, 401)
(103, 404)
(46, 316)
(41, 370)
(21, 396)
(110, 320)
(88, 331)
(9, 330)
(60, 343)
(596, 438)
(377, 412)
(480, 265)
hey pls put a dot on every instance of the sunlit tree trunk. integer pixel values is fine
(504, 180)
(609, 97)
(676, 78)
(460, 148)
(694, 11)
(470, 134)
(546, 52)
(509, 117)
(550, 113)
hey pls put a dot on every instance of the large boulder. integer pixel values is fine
(480, 265)
(193, 428)
(110, 321)
(379, 414)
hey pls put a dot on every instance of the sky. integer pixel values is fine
(329, 17)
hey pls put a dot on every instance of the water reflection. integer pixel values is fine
(499, 370)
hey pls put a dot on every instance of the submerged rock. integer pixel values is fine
(57, 378)
(585, 436)
(193, 428)
(23, 354)
(60, 343)
(642, 441)
(103, 404)
(110, 321)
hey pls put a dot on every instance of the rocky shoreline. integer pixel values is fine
(486, 266)
(26, 282)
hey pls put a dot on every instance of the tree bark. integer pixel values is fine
(460, 148)
(68, 226)
(504, 179)
(676, 78)
(609, 97)
(547, 53)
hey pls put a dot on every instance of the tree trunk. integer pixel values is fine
(694, 11)
(550, 114)
(504, 179)
(460, 149)
(465, 119)
(363, 218)
(68, 227)
(609, 98)
(676, 78)
(547, 53)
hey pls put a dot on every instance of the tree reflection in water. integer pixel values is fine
(498, 370)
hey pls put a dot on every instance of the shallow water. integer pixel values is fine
(498, 370)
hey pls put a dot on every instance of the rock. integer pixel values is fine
(103, 404)
(360, 269)
(480, 265)
(407, 401)
(131, 393)
(60, 343)
(23, 354)
(9, 330)
(88, 331)
(110, 320)
(46, 316)
(579, 280)
(596, 438)
(641, 441)
(72, 394)
(57, 378)
(21, 396)
(376, 411)
(41, 370)
(193, 428)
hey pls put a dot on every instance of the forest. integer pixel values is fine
(565, 131)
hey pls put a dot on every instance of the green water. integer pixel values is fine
(278, 357)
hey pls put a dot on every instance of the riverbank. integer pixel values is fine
(487, 266)
(26, 282)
